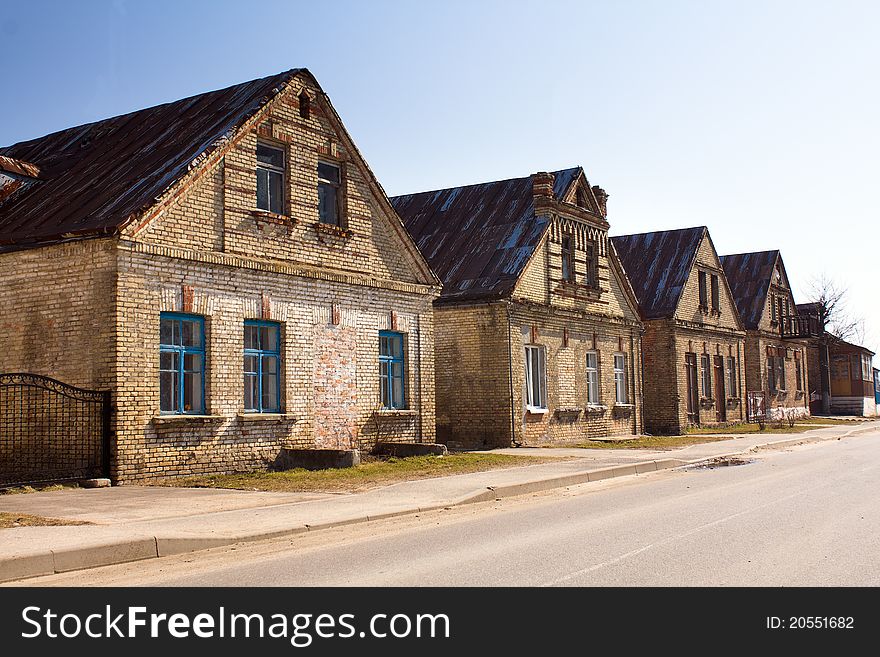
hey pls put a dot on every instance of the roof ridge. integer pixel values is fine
(485, 182)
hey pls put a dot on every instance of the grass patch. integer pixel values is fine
(772, 427)
(651, 442)
(48, 488)
(827, 420)
(371, 473)
(12, 520)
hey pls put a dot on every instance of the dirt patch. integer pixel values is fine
(720, 462)
(13, 520)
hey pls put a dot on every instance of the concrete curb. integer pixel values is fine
(150, 547)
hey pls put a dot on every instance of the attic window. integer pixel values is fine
(305, 105)
(270, 178)
(581, 198)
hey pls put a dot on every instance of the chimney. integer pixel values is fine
(602, 199)
(542, 189)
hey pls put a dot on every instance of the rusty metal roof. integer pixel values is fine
(478, 238)
(749, 276)
(658, 265)
(94, 177)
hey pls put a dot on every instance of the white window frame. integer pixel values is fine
(621, 392)
(592, 378)
(535, 355)
(732, 387)
(706, 375)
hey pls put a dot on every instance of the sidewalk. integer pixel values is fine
(137, 522)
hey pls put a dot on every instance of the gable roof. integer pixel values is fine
(479, 238)
(658, 265)
(94, 178)
(749, 276)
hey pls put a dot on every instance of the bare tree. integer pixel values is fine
(839, 320)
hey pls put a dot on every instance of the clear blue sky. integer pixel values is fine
(757, 119)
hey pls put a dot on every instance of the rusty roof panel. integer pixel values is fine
(658, 265)
(95, 176)
(749, 276)
(478, 238)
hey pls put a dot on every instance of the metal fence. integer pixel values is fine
(50, 431)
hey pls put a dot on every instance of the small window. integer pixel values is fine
(392, 370)
(270, 178)
(181, 364)
(773, 308)
(716, 301)
(731, 377)
(305, 105)
(704, 292)
(592, 277)
(567, 258)
(620, 392)
(798, 372)
(329, 182)
(536, 378)
(592, 377)
(581, 198)
(706, 367)
(262, 367)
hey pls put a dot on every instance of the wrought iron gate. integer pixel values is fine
(50, 431)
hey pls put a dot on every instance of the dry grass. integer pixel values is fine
(12, 520)
(46, 488)
(651, 442)
(371, 473)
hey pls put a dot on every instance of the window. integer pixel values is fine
(592, 278)
(772, 309)
(704, 293)
(305, 104)
(716, 301)
(262, 366)
(391, 370)
(328, 193)
(798, 368)
(270, 178)
(181, 363)
(706, 371)
(731, 377)
(592, 377)
(567, 258)
(581, 197)
(866, 367)
(620, 395)
(776, 373)
(536, 378)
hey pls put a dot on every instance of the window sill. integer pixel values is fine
(332, 230)
(534, 410)
(392, 412)
(273, 218)
(266, 417)
(621, 405)
(184, 418)
(596, 408)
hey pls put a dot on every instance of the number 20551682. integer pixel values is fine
(810, 623)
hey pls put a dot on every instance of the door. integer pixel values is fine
(693, 395)
(720, 396)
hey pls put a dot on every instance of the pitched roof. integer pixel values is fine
(479, 238)
(94, 177)
(658, 265)
(749, 276)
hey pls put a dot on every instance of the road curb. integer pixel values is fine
(151, 547)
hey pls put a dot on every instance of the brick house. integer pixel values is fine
(537, 334)
(694, 340)
(776, 337)
(229, 267)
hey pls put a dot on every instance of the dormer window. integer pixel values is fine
(581, 198)
(270, 178)
(329, 184)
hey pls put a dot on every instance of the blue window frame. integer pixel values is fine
(391, 370)
(181, 363)
(262, 366)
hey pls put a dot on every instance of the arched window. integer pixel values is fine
(305, 104)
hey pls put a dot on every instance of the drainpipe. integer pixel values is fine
(510, 380)
(632, 377)
(739, 379)
(419, 373)
(641, 380)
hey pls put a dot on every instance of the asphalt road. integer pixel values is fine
(805, 516)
